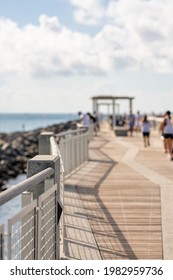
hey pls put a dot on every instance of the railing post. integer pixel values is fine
(44, 143)
(39, 163)
(35, 165)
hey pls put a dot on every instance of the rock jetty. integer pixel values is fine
(18, 147)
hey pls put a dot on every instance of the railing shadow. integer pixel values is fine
(84, 187)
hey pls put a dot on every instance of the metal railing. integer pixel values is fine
(24, 186)
(73, 147)
(36, 232)
(25, 238)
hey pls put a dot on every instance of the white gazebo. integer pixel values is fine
(96, 103)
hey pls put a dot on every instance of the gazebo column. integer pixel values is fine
(130, 105)
(118, 108)
(108, 109)
(113, 113)
(97, 108)
(94, 105)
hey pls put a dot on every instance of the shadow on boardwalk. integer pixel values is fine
(111, 211)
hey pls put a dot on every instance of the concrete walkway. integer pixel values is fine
(119, 204)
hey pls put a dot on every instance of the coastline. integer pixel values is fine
(17, 148)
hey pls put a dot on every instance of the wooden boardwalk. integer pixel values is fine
(118, 205)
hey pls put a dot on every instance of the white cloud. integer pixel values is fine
(88, 12)
(47, 49)
(134, 35)
(142, 29)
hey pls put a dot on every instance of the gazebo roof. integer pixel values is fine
(111, 97)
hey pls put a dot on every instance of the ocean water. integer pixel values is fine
(24, 122)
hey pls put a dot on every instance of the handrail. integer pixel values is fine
(25, 185)
(55, 151)
(54, 146)
(59, 154)
(61, 134)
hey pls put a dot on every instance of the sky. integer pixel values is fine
(55, 55)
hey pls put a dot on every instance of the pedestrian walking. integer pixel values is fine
(138, 121)
(168, 133)
(131, 119)
(146, 131)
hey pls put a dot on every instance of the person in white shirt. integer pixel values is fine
(131, 119)
(84, 120)
(168, 133)
(138, 122)
(146, 131)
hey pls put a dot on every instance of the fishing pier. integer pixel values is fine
(90, 196)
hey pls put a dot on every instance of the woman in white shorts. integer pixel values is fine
(168, 133)
(146, 131)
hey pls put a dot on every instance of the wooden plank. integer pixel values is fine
(116, 211)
